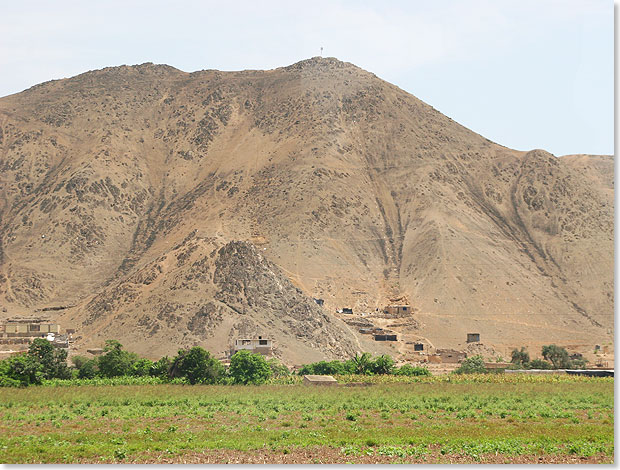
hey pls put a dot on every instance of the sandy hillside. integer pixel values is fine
(167, 209)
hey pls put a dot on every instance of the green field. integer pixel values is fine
(495, 419)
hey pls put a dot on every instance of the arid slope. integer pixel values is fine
(121, 187)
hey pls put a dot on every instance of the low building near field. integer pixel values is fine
(324, 380)
(28, 328)
(17, 334)
(258, 345)
(450, 355)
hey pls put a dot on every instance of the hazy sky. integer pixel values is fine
(524, 73)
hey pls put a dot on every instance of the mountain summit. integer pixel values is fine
(167, 209)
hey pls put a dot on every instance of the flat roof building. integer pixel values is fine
(258, 345)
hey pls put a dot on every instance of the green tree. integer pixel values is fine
(277, 368)
(141, 367)
(161, 368)
(197, 365)
(5, 375)
(88, 370)
(383, 364)
(248, 368)
(23, 369)
(79, 361)
(362, 364)
(579, 363)
(557, 355)
(472, 365)
(116, 362)
(323, 368)
(521, 358)
(53, 360)
(86, 367)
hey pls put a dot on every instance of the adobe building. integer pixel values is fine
(17, 334)
(254, 345)
(397, 310)
(450, 356)
(28, 328)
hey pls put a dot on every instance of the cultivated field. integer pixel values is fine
(491, 418)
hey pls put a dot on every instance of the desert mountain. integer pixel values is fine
(167, 209)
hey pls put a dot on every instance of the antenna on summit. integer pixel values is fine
(321, 51)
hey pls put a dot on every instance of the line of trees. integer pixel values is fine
(195, 365)
(42, 361)
(363, 364)
(554, 357)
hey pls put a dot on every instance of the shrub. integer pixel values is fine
(540, 364)
(323, 368)
(6, 381)
(383, 364)
(248, 368)
(197, 365)
(307, 369)
(363, 364)
(472, 365)
(277, 368)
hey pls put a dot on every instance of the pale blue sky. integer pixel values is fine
(524, 73)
